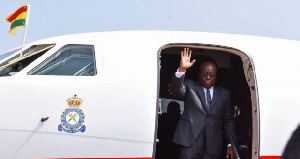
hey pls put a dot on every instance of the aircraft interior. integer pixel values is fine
(230, 76)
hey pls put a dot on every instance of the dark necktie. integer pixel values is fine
(208, 98)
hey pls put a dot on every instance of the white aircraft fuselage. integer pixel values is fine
(97, 95)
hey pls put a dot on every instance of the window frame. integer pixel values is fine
(49, 61)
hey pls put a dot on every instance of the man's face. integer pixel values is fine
(208, 74)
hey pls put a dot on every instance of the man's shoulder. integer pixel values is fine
(224, 90)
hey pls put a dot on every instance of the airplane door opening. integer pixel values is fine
(235, 73)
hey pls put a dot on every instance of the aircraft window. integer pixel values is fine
(71, 60)
(13, 62)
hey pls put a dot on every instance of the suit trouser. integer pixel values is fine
(197, 150)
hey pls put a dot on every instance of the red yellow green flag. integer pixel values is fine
(17, 19)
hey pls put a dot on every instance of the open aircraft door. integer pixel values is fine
(236, 73)
(249, 71)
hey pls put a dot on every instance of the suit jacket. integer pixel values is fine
(196, 118)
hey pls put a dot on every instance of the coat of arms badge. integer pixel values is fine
(72, 118)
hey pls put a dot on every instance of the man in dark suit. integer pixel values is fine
(207, 112)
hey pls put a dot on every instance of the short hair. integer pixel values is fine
(209, 60)
(173, 107)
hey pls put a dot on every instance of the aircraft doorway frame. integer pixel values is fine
(249, 75)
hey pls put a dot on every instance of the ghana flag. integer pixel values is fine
(17, 19)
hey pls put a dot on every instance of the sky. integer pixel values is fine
(269, 18)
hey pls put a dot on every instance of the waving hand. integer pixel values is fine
(185, 62)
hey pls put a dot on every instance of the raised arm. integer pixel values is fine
(177, 83)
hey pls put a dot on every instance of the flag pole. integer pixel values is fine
(26, 24)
